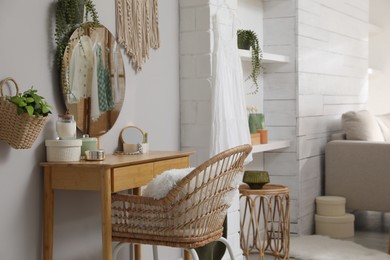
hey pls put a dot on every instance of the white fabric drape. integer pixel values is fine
(229, 126)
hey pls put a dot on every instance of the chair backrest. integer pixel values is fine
(191, 214)
(199, 202)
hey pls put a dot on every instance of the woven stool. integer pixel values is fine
(265, 221)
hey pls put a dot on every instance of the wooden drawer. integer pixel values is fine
(177, 163)
(129, 177)
(75, 179)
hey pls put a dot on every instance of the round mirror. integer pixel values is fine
(132, 137)
(93, 79)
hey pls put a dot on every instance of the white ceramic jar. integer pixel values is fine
(66, 127)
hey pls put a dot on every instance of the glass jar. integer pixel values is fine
(89, 144)
(66, 127)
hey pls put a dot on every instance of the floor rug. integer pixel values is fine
(317, 247)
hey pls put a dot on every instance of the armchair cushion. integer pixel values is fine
(163, 183)
(361, 125)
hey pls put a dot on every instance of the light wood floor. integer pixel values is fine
(370, 239)
(371, 231)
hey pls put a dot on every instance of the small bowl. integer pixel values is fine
(256, 179)
(95, 155)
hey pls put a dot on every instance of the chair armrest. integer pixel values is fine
(360, 172)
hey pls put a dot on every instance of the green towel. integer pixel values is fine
(214, 250)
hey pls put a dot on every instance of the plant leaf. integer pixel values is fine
(30, 110)
(21, 103)
(45, 109)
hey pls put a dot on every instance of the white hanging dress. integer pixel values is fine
(229, 127)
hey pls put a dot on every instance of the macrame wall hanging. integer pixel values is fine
(137, 28)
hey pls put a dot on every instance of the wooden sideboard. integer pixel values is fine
(115, 173)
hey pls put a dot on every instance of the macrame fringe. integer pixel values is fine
(137, 28)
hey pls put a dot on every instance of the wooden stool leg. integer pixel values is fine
(187, 255)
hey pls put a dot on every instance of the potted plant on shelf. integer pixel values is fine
(248, 40)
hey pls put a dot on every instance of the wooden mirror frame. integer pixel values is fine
(82, 109)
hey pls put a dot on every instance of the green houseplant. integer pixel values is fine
(247, 39)
(69, 16)
(31, 103)
(22, 116)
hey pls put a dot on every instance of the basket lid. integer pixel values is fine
(335, 219)
(330, 200)
(62, 143)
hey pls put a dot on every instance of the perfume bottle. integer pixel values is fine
(66, 127)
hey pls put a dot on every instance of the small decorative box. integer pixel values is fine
(330, 206)
(63, 150)
(335, 227)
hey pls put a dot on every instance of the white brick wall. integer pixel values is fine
(326, 41)
(196, 45)
(280, 99)
(332, 67)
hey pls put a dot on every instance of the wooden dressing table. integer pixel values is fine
(115, 173)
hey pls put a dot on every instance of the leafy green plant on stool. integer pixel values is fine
(31, 103)
(247, 39)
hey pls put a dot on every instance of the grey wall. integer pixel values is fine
(151, 102)
(379, 90)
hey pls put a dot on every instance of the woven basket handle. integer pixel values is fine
(4, 81)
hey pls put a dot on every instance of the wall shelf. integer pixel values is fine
(272, 145)
(267, 57)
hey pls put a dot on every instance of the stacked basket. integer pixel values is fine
(331, 219)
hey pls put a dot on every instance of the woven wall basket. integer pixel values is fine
(19, 131)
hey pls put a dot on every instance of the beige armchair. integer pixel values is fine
(358, 168)
(360, 172)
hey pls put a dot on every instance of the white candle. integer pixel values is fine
(66, 127)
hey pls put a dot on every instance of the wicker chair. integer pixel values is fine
(189, 216)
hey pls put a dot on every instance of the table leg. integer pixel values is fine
(48, 215)
(105, 200)
(137, 248)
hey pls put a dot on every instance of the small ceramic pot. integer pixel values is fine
(145, 147)
(256, 179)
